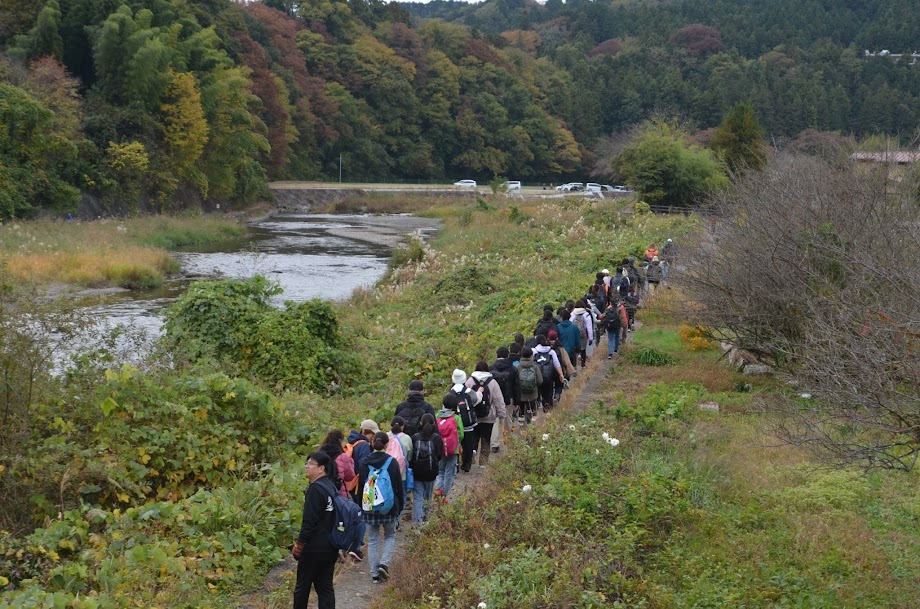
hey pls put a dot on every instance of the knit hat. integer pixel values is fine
(369, 425)
(416, 385)
(459, 377)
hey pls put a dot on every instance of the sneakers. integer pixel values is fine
(356, 555)
(610, 356)
(383, 572)
(376, 579)
(495, 449)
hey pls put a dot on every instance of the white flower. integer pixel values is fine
(606, 436)
(572, 427)
(806, 396)
(597, 451)
(481, 606)
(526, 488)
(545, 437)
(485, 546)
(613, 442)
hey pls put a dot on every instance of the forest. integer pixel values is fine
(150, 105)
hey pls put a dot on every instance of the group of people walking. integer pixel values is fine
(425, 449)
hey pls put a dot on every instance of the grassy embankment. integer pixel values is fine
(693, 508)
(128, 252)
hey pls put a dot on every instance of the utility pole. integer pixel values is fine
(340, 168)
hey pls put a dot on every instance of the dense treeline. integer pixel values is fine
(156, 103)
(801, 64)
(165, 99)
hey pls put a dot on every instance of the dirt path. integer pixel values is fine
(353, 586)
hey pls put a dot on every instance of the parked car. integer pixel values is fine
(571, 186)
(466, 183)
(609, 188)
(592, 187)
(511, 185)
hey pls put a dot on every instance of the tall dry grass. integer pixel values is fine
(129, 252)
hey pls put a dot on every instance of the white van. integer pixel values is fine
(592, 187)
(511, 185)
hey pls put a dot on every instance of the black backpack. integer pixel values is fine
(465, 408)
(612, 320)
(482, 408)
(503, 378)
(545, 362)
(424, 462)
(413, 418)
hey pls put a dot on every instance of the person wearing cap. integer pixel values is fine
(470, 436)
(668, 254)
(412, 409)
(358, 444)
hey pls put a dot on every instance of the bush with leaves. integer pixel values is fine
(234, 323)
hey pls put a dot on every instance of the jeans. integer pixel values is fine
(665, 268)
(613, 341)
(470, 440)
(374, 533)
(315, 569)
(447, 471)
(421, 500)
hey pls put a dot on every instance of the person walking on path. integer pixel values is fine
(466, 410)
(653, 273)
(412, 409)
(506, 374)
(569, 336)
(668, 257)
(450, 428)
(427, 450)
(313, 549)
(381, 526)
(545, 357)
(531, 379)
(481, 381)
(343, 474)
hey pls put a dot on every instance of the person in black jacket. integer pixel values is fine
(505, 373)
(413, 408)
(546, 323)
(313, 550)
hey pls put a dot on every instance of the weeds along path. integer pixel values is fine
(353, 586)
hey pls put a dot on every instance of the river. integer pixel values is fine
(309, 255)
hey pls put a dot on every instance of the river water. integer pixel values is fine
(309, 255)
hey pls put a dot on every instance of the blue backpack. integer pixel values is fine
(346, 530)
(378, 495)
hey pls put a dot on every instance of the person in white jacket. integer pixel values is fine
(581, 309)
(481, 382)
(470, 436)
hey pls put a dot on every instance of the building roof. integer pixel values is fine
(899, 157)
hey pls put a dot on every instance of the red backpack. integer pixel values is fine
(447, 427)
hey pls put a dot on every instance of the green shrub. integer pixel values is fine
(296, 348)
(661, 407)
(646, 356)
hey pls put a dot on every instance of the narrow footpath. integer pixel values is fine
(353, 586)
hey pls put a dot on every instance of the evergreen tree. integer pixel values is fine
(739, 140)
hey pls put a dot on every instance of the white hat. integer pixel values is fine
(459, 377)
(669, 240)
(605, 271)
(369, 425)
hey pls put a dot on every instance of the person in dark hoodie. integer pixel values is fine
(506, 375)
(546, 323)
(413, 408)
(313, 549)
(358, 444)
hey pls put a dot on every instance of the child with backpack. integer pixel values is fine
(450, 428)
(427, 450)
(382, 501)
